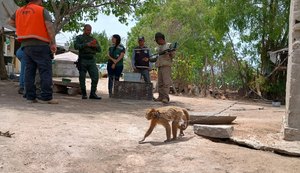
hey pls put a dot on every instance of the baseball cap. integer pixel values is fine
(141, 38)
(159, 35)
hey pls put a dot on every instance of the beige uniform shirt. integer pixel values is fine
(166, 59)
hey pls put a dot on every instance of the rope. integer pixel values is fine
(217, 113)
(225, 109)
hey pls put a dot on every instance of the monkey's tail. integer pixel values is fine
(186, 123)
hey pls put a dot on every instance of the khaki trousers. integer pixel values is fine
(164, 82)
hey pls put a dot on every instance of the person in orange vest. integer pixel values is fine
(36, 33)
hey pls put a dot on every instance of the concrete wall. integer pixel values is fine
(291, 120)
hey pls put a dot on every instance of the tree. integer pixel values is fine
(262, 26)
(219, 40)
(69, 15)
(187, 22)
(104, 42)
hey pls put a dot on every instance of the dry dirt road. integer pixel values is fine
(89, 136)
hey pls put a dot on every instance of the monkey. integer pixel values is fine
(179, 118)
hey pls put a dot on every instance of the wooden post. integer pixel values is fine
(3, 72)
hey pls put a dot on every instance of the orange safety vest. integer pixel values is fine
(30, 23)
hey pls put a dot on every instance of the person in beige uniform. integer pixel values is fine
(164, 64)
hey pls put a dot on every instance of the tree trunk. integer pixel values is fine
(212, 76)
(204, 80)
(3, 73)
(237, 61)
(224, 86)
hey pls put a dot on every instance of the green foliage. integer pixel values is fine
(220, 42)
(104, 42)
(187, 22)
(261, 24)
(274, 87)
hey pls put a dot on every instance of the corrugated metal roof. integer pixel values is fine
(7, 9)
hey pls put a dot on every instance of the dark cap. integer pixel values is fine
(27, 1)
(159, 35)
(141, 38)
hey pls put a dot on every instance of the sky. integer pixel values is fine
(109, 24)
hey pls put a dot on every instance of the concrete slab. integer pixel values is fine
(210, 118)
(214, 131)
(276, 146)
(291, 134)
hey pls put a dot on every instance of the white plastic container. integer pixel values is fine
(10, 69)
(276, 103)
(132, 77)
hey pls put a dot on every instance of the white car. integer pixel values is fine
(102, 70)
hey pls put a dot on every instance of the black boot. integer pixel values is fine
(84, 96)
(94, 96)
(21, 91)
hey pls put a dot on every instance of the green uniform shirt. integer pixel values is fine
(116, 52)
(81, 44)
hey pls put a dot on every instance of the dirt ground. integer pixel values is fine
(91, 136)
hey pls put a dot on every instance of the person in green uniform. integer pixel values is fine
(115, 63)
(88, 47)
(164, 64)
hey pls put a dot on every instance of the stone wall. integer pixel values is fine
(133, 90)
